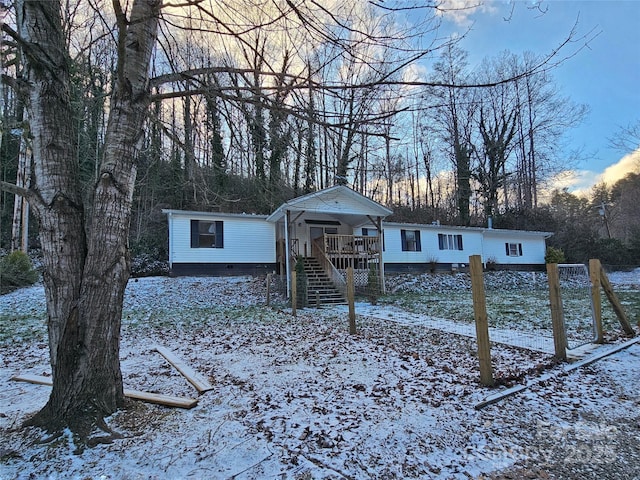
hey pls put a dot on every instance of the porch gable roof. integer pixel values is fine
(339, 201)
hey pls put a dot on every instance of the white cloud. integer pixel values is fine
(460, 11)
(574, 180)
(627, 164)
(580, 182)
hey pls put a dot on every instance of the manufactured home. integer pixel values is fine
(419, 247)
(203, 243)
(331, 230)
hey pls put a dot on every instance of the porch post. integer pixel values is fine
(380, 243)
(287, 252)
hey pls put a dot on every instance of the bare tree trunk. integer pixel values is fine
(20, 225)
(56, 195)
(86, 269)
(189, 153)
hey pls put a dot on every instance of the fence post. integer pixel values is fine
(557, 315)
(482, 322)
(294, 293)
(268, 289)
(615, 303)
(351, 301)
(596, 300)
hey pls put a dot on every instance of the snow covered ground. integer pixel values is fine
(300, 398)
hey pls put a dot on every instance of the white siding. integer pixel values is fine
(430, 249)
(490, 244)
(251, 239)
(533, 247)
(246, 240)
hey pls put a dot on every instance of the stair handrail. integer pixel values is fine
(328, 266)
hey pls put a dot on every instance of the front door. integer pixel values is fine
(317, 232)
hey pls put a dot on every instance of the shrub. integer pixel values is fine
(148, 265)
(554, 255)
(16, 271)
(433, 264)
(612, 251)
(491, 263)
(301, 283)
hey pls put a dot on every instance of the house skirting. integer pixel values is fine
(231, 269)
(221, 269)
(449, 267)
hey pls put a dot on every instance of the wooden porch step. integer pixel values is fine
(320, 287)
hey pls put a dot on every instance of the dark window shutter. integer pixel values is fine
(219, 235)
(403, 239)
(459, 242)
(520, 249)
(195, 234)
(441, 241)
(418, 246)
(506, 245)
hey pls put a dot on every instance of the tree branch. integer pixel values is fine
(20, 191)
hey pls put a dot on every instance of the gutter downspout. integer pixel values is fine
(381, 247)
(482, 256)
(170, 224)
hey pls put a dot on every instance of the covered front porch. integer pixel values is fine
(338, 227)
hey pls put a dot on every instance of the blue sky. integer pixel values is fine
(605, 75)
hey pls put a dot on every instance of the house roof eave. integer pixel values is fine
(300, 204)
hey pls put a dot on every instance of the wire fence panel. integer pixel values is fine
(577, 304)
(517, 304)
(518, 309)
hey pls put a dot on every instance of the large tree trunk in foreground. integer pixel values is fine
(86, 266)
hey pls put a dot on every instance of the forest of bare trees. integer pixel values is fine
(241, 121)
(112, 112)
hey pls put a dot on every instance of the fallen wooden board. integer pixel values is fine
(160, 399)
(193, 377)
(568, 368)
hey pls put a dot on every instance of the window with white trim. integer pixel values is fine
(449, 241)
(410, 240)
(513, 249)
(207, 234)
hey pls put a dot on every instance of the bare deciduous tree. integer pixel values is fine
(86, 258)
(85, 241)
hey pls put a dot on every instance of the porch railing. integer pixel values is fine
(295, 247)
(356, 251)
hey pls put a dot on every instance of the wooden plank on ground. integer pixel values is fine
(37, 379)
(600, 355)
(496, 397)
(193, 377)
(160, 399)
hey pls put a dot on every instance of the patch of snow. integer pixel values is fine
(631, 278)
(300, 398)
